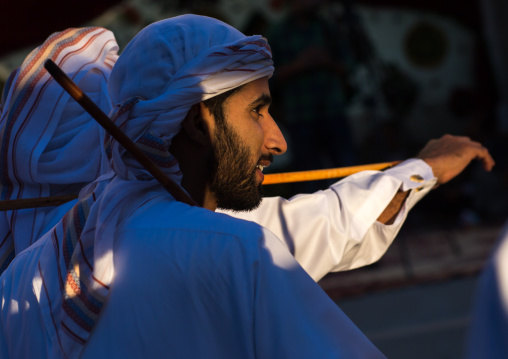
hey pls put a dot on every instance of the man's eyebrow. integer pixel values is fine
(264, 99)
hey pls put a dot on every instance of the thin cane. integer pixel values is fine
(274, 178)
(89, 106)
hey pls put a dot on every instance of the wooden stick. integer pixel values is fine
(90, 107)
(323, 174)
(269, 179)
(23, 203)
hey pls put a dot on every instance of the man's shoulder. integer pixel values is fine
(172, 215)
(202, 242)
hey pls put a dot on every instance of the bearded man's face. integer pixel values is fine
(234, 182)
(245, 140)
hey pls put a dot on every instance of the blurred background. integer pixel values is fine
(362, 81)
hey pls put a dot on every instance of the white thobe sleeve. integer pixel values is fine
(336, 229)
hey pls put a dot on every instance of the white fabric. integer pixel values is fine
(336, 229)
(316, 228)
(111, 199)
(190, 283)
(43, 130)
(173, 64)
(489, 325)
(197, 53)
(279, 330)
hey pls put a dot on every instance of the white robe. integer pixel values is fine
(186, 282)
(336, 229)
(221, 287)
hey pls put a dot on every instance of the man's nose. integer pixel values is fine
(274, 139)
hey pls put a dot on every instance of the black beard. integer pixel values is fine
(233, 180)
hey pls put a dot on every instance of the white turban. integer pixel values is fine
(175, 63)
(168, 67)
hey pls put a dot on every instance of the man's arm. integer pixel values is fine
(447, 156)
(336, 229)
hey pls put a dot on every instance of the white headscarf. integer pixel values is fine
(43, 131)
(168, 67)
(176, 63)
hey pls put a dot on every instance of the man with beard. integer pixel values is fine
(233, 172)
(131, 272)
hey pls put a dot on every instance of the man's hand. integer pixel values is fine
(449, 155)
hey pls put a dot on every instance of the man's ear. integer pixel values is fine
(196, 124)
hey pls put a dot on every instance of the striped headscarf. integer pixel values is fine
(168, 67)
(42, 129)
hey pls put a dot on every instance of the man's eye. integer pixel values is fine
(257, 110)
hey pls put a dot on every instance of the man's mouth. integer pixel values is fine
(259, 171)
(264, 161)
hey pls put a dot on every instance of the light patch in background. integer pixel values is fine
(389, 30)
(449, 65)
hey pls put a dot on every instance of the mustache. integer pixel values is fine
(267, 157)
